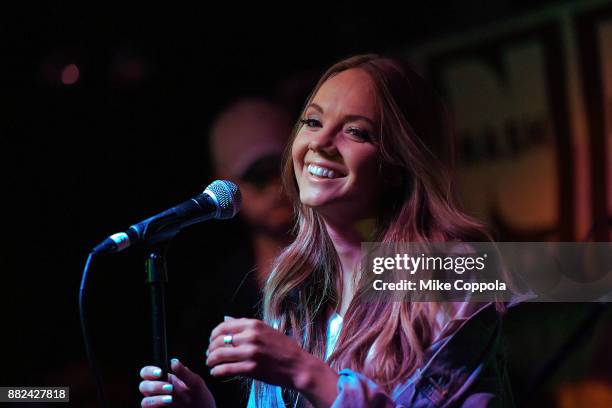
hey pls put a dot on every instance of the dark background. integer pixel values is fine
(128, 139)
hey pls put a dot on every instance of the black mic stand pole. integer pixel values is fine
(157, 277)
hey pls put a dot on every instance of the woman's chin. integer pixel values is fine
(315, 200)
(314, 203)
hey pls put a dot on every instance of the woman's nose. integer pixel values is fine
(324, 141)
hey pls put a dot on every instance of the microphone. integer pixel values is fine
(220, 200)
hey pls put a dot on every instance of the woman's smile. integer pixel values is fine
(321, 172)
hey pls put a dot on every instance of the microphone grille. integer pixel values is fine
(228, 198)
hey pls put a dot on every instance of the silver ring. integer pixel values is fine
(228, 340)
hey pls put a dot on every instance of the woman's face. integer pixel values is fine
(334, 157)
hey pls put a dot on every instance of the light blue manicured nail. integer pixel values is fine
(157, 372)
(226, 318)
(167, 398)
(174, 361)
(206, 353)
(167, 387)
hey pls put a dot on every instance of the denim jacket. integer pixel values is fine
(464, 369)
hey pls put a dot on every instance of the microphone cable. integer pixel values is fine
(86, 339)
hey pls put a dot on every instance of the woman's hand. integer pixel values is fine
(261, 352)
(184, 388)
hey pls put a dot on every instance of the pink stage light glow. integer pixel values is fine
(70, 74)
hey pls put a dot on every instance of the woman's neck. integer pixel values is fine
(347, 239)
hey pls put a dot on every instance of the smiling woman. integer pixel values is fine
(360, 167)
(334, 158)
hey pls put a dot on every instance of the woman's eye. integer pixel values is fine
(359, 134)
(311, 122)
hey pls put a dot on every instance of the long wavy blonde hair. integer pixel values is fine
(384, 340)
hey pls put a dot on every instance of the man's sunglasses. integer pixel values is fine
(263, 171)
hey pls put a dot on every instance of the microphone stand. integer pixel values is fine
(157, 277)
(220, 200)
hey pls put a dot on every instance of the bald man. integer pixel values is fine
(246, 142)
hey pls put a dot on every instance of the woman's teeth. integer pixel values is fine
(321, 172)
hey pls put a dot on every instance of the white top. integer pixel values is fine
(334, 325)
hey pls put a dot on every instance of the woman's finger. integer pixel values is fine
(230, 354)
(239, 368)
(184, 374)
(149, 388)
(157, 401)
(176, 382)
(151, 373)
(246, 336)
(233, 326)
